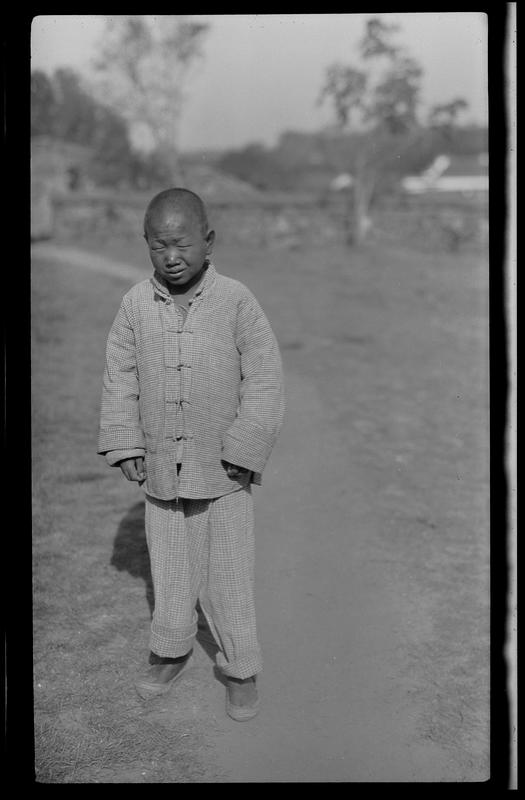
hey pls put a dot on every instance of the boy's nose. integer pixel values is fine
(172, 257)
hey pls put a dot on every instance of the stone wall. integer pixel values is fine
(288, 221)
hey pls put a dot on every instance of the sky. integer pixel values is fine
(262, 74)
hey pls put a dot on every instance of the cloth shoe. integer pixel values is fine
(159, 678)
(242, 701)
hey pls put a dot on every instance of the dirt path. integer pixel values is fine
(349, 636)
(332, 620)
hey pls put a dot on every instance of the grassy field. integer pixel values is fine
(398, 343)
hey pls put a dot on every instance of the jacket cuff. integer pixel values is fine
(247, 445)
(115, 456)
(120, 438)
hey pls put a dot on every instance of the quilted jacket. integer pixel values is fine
(210, 382)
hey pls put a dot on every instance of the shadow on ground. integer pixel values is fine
(130, 554)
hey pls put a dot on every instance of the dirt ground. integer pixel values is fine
(372, 530)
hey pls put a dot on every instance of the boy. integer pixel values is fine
(192, 405)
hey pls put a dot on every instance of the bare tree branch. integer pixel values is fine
(143, 66)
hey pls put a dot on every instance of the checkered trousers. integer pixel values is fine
(204, 550)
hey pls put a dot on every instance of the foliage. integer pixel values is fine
(260, 166)
(129, 116)
(309, 161)
(63, 108)
(385, 97)
(379, 104)
(143, 65)
(43, 104)
(445, 115)
(77, 119)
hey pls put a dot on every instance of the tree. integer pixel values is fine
(43, 104)
(257, 165)
(62, 108)
(75, 116)
(446, 115)
(379, 105)
(143, 65)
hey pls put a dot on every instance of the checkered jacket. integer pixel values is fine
(211, 383)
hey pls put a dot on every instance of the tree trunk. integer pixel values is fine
(361, 205)
(358, 213)
(360, 197)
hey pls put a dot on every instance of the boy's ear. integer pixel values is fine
(210, 238)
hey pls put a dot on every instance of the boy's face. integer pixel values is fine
(177, 246)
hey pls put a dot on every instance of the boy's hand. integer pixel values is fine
(234, 471)
(133, 469)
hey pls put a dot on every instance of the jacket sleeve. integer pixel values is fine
(250, 439)
(114, 457)
(120, 426)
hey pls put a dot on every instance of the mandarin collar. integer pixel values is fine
(162, 289)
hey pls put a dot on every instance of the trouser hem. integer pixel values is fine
(171, 646)
(241, 668)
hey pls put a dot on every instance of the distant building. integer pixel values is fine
(453, 174)
(57, 168)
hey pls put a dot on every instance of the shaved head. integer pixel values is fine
(177, 202)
